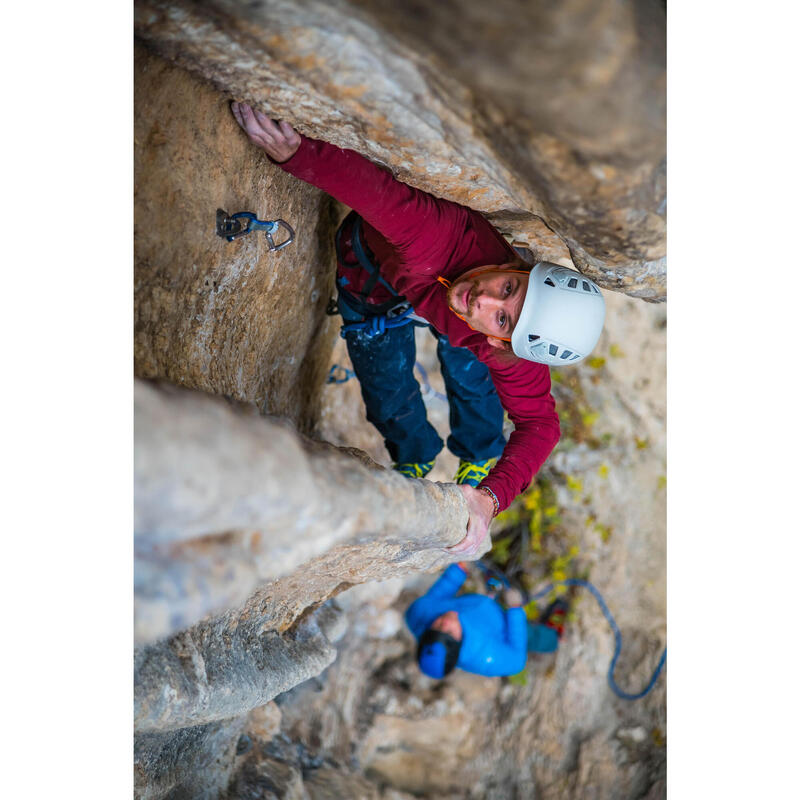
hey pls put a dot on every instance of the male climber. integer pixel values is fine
(499, 322)
(472, 632)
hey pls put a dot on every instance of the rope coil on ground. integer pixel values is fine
(492, 573)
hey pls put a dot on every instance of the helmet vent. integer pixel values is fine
(549, 282)
(532, 337)
(573, 282)
(586, 286)
(566, 354)
(553, 349)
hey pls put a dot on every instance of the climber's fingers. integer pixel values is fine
(292, 136)
(469, 545)
(279, 140)
(480, 515)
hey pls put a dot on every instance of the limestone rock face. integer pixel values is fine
(228, 318)
(226, 501)
(195, 762)
(548, 117)
(562, 735)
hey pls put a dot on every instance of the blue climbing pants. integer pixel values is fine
(384, 366)
(541, 639)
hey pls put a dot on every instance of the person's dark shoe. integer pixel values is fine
(555, 615)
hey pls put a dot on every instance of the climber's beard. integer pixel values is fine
(463, 292)
(459, 296)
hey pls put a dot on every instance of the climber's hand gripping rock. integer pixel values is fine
(481, 510)
(278, 139)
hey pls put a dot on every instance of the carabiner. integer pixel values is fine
(274, 226)
(233, 226)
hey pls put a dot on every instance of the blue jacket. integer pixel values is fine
(494, 642)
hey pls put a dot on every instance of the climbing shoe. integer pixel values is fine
(414, 469)
(555, 615)
(473, 472)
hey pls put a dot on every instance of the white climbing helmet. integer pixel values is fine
(561, 318)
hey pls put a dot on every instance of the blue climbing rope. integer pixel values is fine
(346, 374)
(493, 575)
(494, 579)
(426, 386)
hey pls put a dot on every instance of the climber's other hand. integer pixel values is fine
(481, 511)
(513, 598)
(279, 140)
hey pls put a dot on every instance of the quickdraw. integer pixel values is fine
(234, 226)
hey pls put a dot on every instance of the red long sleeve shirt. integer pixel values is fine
(416, 237)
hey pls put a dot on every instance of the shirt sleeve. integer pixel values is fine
(524, 392)
(515, 650)
(419, 612)
(448, 584)
(422, 227)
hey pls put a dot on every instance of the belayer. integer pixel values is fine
(499, 323)
(474, 633)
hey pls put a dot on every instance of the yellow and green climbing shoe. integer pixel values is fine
(473, 472)
(414, 469)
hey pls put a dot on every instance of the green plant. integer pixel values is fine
(520, 679)
(575, 485)
(533, 547)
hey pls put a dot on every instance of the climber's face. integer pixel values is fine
(490, 299)
(448, 623)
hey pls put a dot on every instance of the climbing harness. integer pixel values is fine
(376, 318)
(494, 579)
(234, 226)
(339, 374)
(374, 326)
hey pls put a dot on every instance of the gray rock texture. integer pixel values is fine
(227, 500)
(191, 764)
(542, 115)
(226, 667)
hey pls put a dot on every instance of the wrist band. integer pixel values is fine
(494, 499)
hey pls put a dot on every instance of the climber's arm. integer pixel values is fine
(422, 227)
(513, 653)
